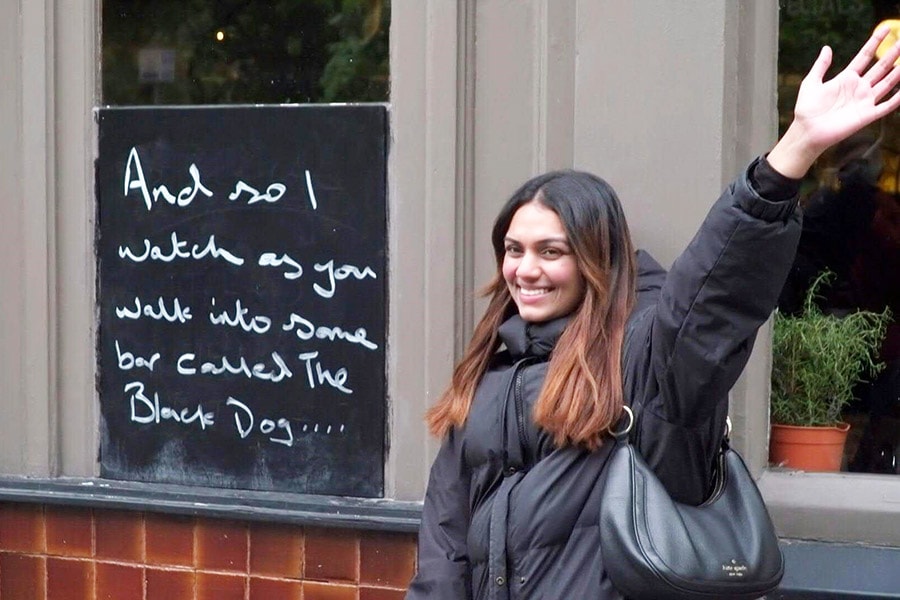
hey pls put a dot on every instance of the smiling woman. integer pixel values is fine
(579, 326)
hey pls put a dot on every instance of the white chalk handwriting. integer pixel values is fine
(341, 273)
(224, 366)
(184, 197)
(147, 411)
(244, 421)
(322, 375)
(134, 179)
(272, 194)
(229, 315)
(144, 410)
(162, 313)
(270, 259)
(309, 190)
(155, 252)
(306, 330)
(128, 361)
(256, 324)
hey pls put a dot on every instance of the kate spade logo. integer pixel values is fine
(735, 568)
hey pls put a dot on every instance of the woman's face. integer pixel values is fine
(539, 266)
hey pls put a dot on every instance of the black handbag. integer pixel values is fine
(657, 549)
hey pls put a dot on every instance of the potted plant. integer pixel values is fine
(817, 359)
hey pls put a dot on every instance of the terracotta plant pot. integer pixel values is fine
(808, 448)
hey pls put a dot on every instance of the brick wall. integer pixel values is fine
(61, 553)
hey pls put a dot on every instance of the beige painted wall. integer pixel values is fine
(47, 74)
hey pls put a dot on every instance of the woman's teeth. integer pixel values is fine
(536, 292)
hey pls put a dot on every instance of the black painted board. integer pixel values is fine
(242, 296)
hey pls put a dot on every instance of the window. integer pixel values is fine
(852, 220)
(236, 51)
(250, 56)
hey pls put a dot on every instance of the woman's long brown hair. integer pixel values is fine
(582, 393)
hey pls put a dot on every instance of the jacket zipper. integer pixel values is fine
(520, 411)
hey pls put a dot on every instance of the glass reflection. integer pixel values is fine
(238, 51)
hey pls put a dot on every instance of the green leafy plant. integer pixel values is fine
(818, 358)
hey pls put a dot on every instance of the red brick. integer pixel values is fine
(69, 531)
(270, 589)
(119, 535)
(23, 577)
(218, 586)
(331, 555)
(164, 584)
(169, 540)
(387, 559)
(375, 593)
(70, 579)
(119, 582)
(22, 528)
(276, 550)
(221, 545)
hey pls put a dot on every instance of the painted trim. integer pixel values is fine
(297, 509)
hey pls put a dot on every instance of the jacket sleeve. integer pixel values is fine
(443, 565)
(691, 336)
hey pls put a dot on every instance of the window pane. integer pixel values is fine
(242, 51)
(851, 226)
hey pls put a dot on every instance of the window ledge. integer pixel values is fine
(817, 571)
(300, 509)
(834, 507)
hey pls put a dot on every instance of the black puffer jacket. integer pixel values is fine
(504, 522)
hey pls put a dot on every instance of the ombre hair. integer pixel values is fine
(582, 395)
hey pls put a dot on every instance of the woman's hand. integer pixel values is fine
(827, 112)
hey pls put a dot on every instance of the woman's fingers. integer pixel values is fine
(884, 86)
(865, 55)
(887, 83)
(820, 67)
(884, 65)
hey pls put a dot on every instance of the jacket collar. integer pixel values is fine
(531, 339)
(523, 339)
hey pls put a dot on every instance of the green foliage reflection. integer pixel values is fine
(239, 51)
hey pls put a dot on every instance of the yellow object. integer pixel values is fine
(890, 39)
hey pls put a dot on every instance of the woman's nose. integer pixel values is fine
(529, 266)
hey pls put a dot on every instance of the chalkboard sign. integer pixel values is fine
(242, 296)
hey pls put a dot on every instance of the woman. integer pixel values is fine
(578, 325)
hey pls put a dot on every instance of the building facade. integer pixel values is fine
(667, 101)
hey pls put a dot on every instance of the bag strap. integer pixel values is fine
(627, 425)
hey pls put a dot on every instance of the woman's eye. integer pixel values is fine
(551, 252)
(513, 250)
